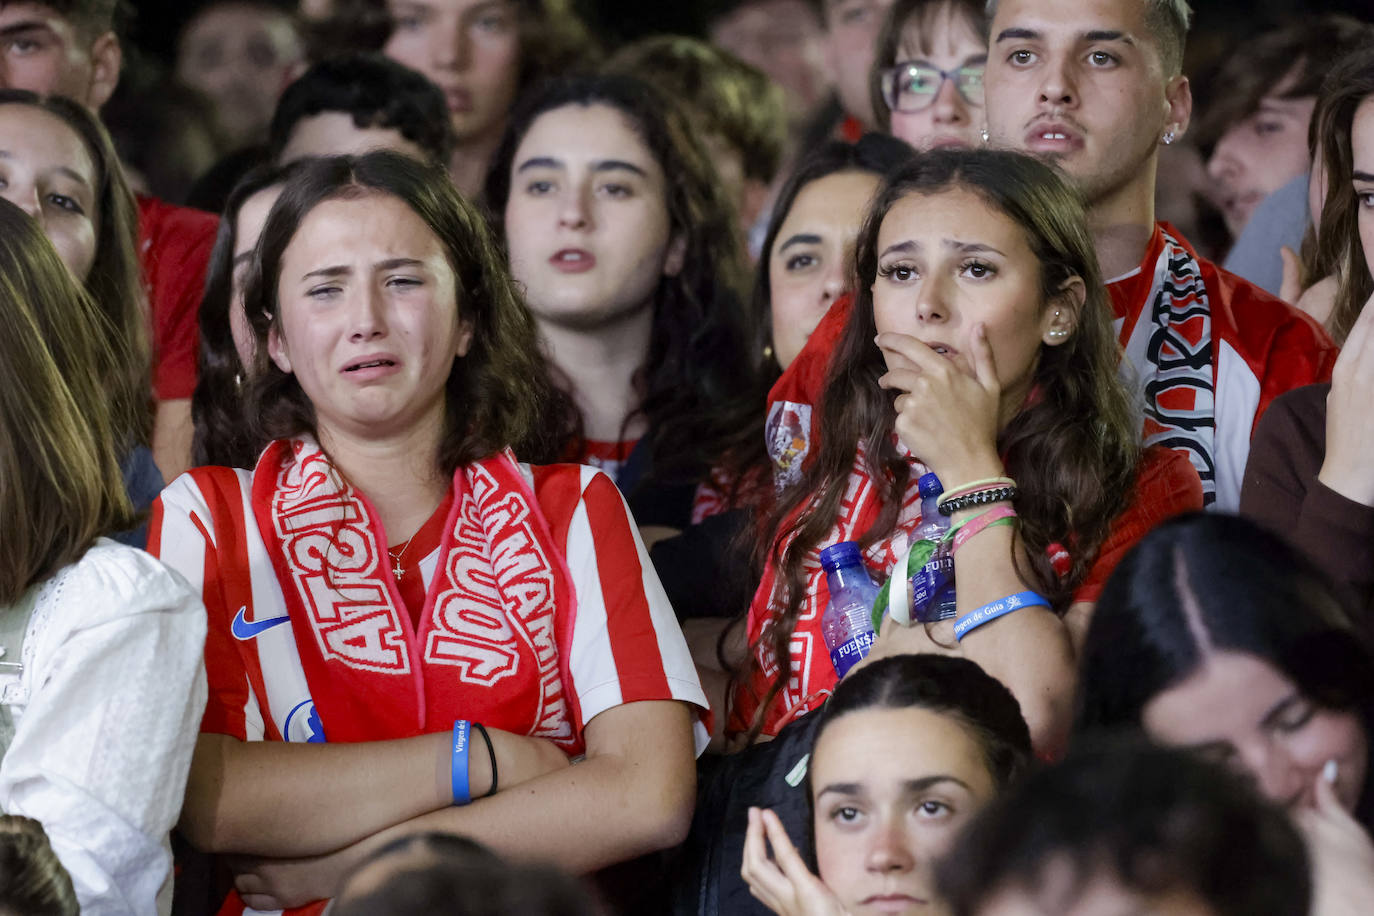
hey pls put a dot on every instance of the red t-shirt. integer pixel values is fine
(174, 247)
(408, 556)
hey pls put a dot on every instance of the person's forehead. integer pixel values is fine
(14, 13)
(54, 139)
(1073, 18)
(596, 131)
(946, 32)
(238, 18)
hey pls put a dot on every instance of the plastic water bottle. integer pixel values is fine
(932, 586)
(847, 624)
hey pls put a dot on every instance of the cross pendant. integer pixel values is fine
(398, 571)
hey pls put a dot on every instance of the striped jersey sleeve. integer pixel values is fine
(625, 642)
(184, 534)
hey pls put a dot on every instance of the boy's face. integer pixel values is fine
(852, 28)
(1081, 83)
(44, 52)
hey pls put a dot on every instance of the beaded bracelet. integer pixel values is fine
(978, 498)
(994, 609)
(986, 483)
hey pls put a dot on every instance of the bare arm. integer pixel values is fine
(633, 794)
(950, 419)
(1031, 651)
(271, 798)
(172, 433)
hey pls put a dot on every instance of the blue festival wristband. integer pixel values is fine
(462, 792)
(995, 609)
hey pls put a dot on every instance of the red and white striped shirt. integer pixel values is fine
(624, 644)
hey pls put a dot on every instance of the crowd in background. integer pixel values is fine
(874, 456)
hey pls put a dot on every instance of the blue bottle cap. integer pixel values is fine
(845, 553)
(930, 485)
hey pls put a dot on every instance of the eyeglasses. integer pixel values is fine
(910, 86)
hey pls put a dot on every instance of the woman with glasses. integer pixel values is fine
(927, 79)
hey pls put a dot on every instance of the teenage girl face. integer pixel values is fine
(1362, 148)
(369, 322)
(950, 261)
(1241, 710)
(46, 170)
(470, 49)
(252, 216)
(587, 221)
(812, 256)
(891, 789)
(950, 119)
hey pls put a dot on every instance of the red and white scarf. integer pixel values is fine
(372, 676)
(811, 674)
(1171, 363)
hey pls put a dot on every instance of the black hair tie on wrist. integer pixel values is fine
(491, 753)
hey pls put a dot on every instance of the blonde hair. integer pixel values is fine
(60, 484)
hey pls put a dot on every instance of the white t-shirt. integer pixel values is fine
(106, 712)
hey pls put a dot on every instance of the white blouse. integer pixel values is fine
(106, 712)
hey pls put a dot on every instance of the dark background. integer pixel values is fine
(1216, 22)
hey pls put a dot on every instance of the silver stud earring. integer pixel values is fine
(985, 135)
(1168, 137)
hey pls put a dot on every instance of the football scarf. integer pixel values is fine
(1173, 366)
(488, 629)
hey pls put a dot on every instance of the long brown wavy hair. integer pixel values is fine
(1072, 448)
(1338, 250)
(60, 486)
(698, 375)
(498, 395)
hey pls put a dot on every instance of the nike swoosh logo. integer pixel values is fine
(248, 629)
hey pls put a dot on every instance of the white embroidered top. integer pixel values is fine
(106, 711)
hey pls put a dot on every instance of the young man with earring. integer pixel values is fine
(1096, 87)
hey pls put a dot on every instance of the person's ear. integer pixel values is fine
(1062, 314)
(1178, 94)
(676, 256)
(106, 59)
(465, 334)
(277, 349)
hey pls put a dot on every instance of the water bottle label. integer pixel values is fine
(932, 589)
(788, 435)
(847, 654)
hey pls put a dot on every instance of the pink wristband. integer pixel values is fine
(981, 522)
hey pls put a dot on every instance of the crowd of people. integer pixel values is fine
(377, 351)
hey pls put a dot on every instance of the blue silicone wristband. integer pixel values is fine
(462, 792)
(995, 609)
